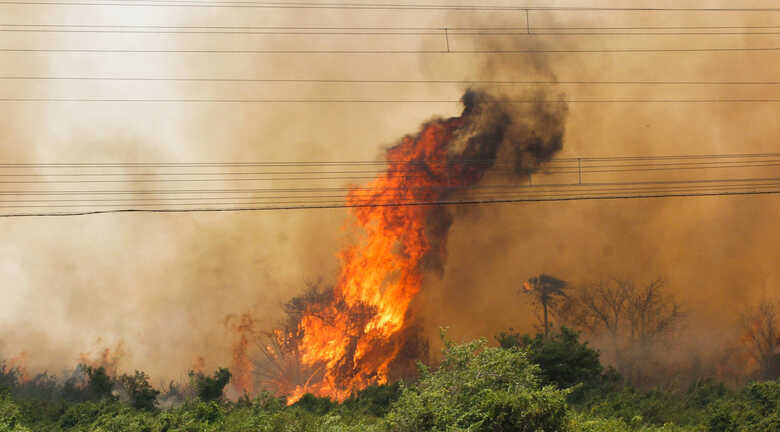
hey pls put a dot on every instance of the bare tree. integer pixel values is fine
(546, 291)
(600, 307)
(652, 313)
(761, 332)
(635, 318)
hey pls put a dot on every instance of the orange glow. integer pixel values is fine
(242, 366)
(19, 363)
(106, 358)
(352, 340)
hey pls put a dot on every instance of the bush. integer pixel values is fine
(563, 360)
(99, 384)
(209, 388)
(315, 405)
(142, 395)
(477, 388)
(10, 416)
(755, 409)
(374, 400)
(581, 423)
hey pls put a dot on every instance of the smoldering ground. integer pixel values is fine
(163, 284)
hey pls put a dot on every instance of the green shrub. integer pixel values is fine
(563, 359)
(99, 384)
(477, 388)
(315, 405)
(142, 395)
(10, 416)
(754, 409)
(209, 388)
(374, 400)
(582, 423)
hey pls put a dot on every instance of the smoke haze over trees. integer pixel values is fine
(180, 275)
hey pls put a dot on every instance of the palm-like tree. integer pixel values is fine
(545, 290)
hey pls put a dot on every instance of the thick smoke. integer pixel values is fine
(359, 331)
(164, 284)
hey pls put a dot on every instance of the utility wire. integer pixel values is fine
(355, 197)
(415, 162)
(377, 6)
(388, 31)
(367, 191)
(383, 197)
(415, 51)
(428, 29)
(383, 101)
(435, 203)
(391, 28)
(380, 81)
(412, 175)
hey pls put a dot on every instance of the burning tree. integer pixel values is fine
(361, 330)
(243, 378)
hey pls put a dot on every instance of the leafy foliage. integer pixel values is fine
(142, 395)
(10, 416)
(209, 388)
(515, 387)
(99, 383)
(478, 388)
(564, 361)
(374, 400)
(756, 408)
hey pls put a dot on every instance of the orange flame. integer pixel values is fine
(19, 364)
(382, 273)
(353, 337)
(106, 358)
(242, 367)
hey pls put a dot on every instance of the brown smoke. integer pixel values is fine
(357, 332)
(164, 284)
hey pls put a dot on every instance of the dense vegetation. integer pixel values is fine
(553, 383)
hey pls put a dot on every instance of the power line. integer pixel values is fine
(417, 51)
(388, 28)
(747, 181)
(400, 196)
(378, 162)
(381, 81)
(363, 197)
(437, 203)
(411, 173)
(389, 31)
(376, 6)
(382, 101)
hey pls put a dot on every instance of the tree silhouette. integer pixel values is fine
(636, 317)
(761, 335)
(545, 290)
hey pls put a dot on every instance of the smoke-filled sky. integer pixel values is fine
(163, 283)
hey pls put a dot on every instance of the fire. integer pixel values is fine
(19, 363)
(107, 358)
(382, 273)
(355, 337)
(350, 338)
(242, 366)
